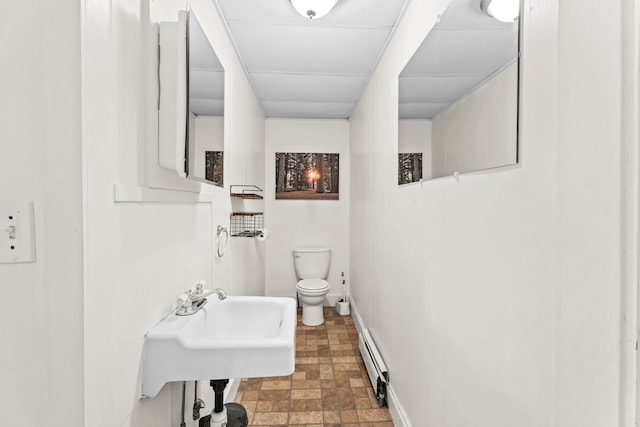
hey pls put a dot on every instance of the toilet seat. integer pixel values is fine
(313, 286)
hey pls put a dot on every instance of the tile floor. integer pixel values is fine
(329, 388)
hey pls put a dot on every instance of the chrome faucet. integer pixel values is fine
(194, 299)
(221, 293)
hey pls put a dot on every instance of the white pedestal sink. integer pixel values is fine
(238, 337)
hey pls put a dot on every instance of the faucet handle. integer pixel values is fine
(199, 289)
(183, 303)
(199, 293)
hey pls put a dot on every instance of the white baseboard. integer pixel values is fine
(398, 414)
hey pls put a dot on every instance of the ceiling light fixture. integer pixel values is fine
(313, 9)
(502, 10)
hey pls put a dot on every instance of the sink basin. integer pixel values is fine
(238, 337)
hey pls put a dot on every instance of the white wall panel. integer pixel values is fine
(140, 256)
(41, 361)
(494, 299)
(306, 223)
(589, 214)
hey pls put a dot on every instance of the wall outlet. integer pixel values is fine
(17, 243)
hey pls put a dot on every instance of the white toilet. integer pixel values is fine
(312, 269)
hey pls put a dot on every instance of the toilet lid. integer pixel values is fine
(313, 284)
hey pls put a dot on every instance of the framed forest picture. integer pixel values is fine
(307, 176)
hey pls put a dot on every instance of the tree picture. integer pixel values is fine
(409, 167)
(214, 166)
(307, 176)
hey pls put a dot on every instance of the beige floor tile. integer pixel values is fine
(306, 394)
(349, 416)
(281, 405)
(307, 417)
(299, 376)
(274, 395)
(264, 406)
(270, 418)
(276, 385)
(365, 415)
(363, 403)
(306, 360)
(301, 384)
(356, 382)
(313, 375)
(250, 395)
(331, 417)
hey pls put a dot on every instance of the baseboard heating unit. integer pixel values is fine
(376, 368)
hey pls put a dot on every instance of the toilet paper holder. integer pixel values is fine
(263, 234)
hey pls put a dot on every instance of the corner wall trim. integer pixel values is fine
(232, 389)
(355, 314)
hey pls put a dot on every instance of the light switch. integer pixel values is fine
(17, 243)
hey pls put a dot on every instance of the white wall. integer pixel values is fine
(589, 234)
(41, 361)
(141, 255)
(506, 283)
(511, 278)
(479, 131)
(75, 119)
(310, 223)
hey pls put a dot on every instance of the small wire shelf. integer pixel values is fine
(246, 224)
(246, 191)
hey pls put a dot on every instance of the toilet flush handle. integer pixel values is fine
(297, 256)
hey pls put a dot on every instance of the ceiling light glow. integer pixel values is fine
(502, 10)
(313, 9)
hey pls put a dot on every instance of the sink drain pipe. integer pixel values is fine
(218, 417)
(218, 387)
(230, 415)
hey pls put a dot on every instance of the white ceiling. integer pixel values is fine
(301, 68)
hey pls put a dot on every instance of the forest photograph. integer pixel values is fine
(214, 166)
(307, 176)
(409, 167)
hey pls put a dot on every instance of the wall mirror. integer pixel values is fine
(205, 121)
(458, 96)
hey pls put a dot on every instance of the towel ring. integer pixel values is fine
(222, 242)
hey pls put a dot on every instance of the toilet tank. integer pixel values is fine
(312, 263)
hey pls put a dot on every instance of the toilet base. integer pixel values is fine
(312, 315)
